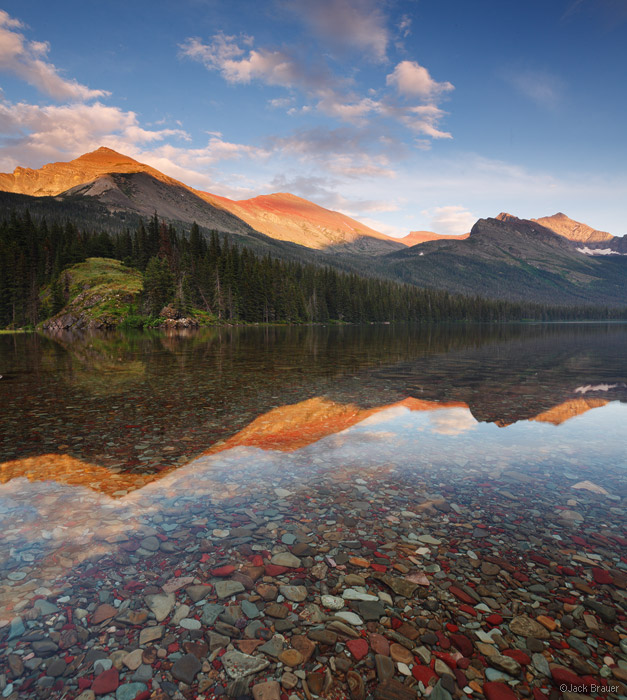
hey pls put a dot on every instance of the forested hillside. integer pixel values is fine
(212, 280)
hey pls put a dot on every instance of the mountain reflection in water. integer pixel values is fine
(146, 402)
(289, 409)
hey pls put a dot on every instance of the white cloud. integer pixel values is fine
(331, 95)
(421, 119)
(540, 87)
(404, 26)
(280, 102)
(224, 54)
(342, 152)
(384, 227)
(413, 80)
(452, 421)
(355, 111)
(37, 134)
(450, 219)
(323, 191)
(26, 60)
(358, 24)
(44, 132)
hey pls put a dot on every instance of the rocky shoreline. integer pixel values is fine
(335, 583)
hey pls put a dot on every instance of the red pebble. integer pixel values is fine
(144, 695)
(451, 627)
(462, 643)
(468, 610)
(106, 682)
(562, 676)
(275, 570)
(223, 570)
(443, 640)
(494, 690)
(518, 655)
(379, 567)
(460, 595)
(539, 559)
(494, 619)
(396, 623)
(602, 576)
(358, 648)
(447, 658)
(423, 673)
(84, 683)
(257, 560)
(173, 648)
(460, 677)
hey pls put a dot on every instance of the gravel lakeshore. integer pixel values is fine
(277, 576)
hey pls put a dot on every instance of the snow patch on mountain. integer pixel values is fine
(598, 251)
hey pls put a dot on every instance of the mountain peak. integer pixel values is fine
(573, 230)
(54, 178)
(104, 154)
(504, 216)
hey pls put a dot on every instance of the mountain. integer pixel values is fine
(552, 260)
(515, 259)
(143, 194)
(573, 230)
(286, 429)
(55, 178)
(290, 218)
(593, 242)
(418, 237)
(124, 185)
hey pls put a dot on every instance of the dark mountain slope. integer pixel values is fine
(514, 259)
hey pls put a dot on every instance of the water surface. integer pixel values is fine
(483, 460)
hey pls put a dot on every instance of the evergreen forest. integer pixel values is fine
(207, 276)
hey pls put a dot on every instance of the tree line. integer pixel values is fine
(194, 272)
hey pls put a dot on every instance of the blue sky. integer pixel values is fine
(408, 115)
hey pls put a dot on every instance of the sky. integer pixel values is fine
(405, 114)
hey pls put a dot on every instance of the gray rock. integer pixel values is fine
(286, 559)
(56, 668)
(17, 628)
(294, 593)
(505, 663)
(150, 543)
(197, 593)
(142, 674)
(150, 634)
(526, 627)
(239, 665)
(186, 668)
(45, 647)
(385, 667)
(210, 613)
(226, 589)
(274, 647)
(161, 605)
(129, 691)
(250, 609)
(45, 607)
(541, 665)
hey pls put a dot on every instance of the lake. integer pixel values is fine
(371, 510)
